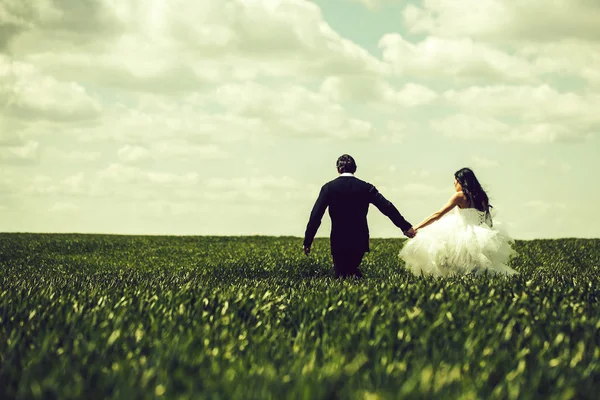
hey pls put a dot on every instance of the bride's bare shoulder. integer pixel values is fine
(461, 198)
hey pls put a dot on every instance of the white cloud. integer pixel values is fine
(465, 126)
(546, 165)
(540, 162)
(179, 149)
(418, 189)
(292, 110)
(394, 138)
(159, 120)
(47, 186)
(10, 134)
(120, 181)
(70, 156)
(484, 162)
(183, 46)
(420, 174)
(11, 183)
(566, 58)
(493, 40)
(542, 207)
(375, 4)
(412, 94)
(130, 153)
(195, 125)
(538, 113)
(259, 189)
(396, 132)
(368, 3)
(253, 183)
(470, 127)
(27, 93)
(25, 153)
(460, 58)
(376, 90)
(537, 20)
(74, 183)
(159, 209)
(354, 88)
(533, 103)
(120, 173)
(566, 167)
(64, 207)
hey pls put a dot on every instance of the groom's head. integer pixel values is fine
(345, 163)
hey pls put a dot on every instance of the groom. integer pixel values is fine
(348, 199)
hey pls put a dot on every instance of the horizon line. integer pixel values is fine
(241, 235)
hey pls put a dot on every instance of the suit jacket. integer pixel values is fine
(348, 199)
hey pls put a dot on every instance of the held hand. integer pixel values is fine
(306, 250)
(410, 233)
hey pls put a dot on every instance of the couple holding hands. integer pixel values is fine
(458, 239)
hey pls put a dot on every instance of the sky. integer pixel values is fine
(225, 117)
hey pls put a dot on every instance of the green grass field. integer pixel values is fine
(100, 316)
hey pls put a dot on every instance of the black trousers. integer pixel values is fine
(346, 263)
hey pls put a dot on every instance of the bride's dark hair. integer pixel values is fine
(474, 192)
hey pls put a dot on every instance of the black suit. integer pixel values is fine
(348, 199)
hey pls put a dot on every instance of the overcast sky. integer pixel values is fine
(225, 117)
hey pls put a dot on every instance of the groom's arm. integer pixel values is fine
(315, 218)
(388, 209)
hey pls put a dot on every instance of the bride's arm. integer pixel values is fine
(453, 202)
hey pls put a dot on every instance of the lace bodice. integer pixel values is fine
(473, 216)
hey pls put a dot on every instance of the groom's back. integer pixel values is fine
(348, 200)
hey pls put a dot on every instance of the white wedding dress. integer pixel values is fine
(461, 242)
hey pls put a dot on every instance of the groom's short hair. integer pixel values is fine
(345, 163)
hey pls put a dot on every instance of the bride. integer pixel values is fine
(460, 238)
